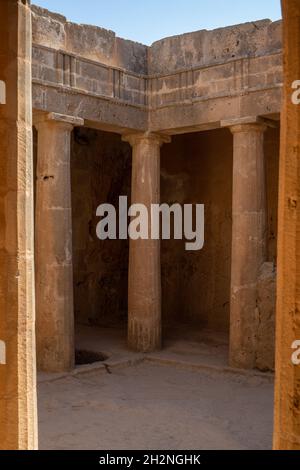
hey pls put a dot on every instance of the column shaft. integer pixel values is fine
(54, 267)
(144, 294)
(248, 239)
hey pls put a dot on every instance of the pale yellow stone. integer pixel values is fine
(287, 386)
(144, 284)
(53, 243)
(248, 238)
(18, 413)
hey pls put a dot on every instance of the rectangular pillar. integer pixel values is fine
(144, 285)
(287, 383)
(18, 410)
(54, 267)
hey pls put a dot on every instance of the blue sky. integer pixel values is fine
(149, 20)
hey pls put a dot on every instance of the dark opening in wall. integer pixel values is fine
(196, 168)
(88, 357)
(101, 172)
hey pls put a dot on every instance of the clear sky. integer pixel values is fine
(146, 21)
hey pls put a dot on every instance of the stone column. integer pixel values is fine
(287, 383)
(54, 268)
(18, 411)
(144, 285)
(248, 236)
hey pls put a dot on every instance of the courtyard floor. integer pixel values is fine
(156, 402)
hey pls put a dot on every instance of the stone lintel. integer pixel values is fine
(155, 138)
(238, 123)
(39, 118)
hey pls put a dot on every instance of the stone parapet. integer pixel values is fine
(230, 71)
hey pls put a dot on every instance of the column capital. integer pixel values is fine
(146, 137)
(247, 124)
(66, 121)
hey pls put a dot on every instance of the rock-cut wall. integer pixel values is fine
(90, 42)
(191, 50)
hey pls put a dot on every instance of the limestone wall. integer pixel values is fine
(90, 42)
(87, 59)
(191, 50)
(216, 75)
(197, 168)
(57, 68)
(101, 172)
(205, 48)
(229, 78)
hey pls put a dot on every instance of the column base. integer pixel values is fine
(238, 360)
(144, 338)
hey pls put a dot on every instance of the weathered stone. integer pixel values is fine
(228, 80)
(196, 82)
(248, 236)
(287, 386)
(101, 171)
(144, 278)
(223, 72)
(203, 48)
(90, 42)
(265, 318)
(18, 409)
(54, 266)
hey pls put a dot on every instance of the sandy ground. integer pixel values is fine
(184, 343)
(152, 406)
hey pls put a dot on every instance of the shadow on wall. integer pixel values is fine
(197, 168)
(101, 172)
